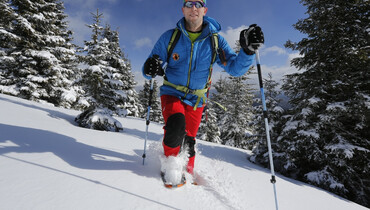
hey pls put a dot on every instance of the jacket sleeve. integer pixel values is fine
(237, 64)
(160, 49)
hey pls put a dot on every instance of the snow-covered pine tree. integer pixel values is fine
(234, 133)
(45, 58)
(219, 96)
(208, 129)
(123, 73)
(8, 42)
(7, 17)
(236, 96)
(275, 113)
(102, 81)
(327, 137)
(155, 111)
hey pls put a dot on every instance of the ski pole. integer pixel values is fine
(273, 178)
(147, 117)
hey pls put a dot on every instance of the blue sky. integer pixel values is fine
(141, 22)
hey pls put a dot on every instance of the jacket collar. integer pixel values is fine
(210, 26)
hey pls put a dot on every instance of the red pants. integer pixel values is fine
(180, 120)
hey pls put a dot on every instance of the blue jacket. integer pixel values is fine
(191, 69)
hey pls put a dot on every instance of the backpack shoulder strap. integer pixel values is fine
(214, 41)
(173, 41)
(217, 50)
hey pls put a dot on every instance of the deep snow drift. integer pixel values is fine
(47, 162)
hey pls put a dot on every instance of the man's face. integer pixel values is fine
(193, 14)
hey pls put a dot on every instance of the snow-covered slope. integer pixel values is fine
(47, 162)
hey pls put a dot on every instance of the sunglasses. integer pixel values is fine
(197, 4)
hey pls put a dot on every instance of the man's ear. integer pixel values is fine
(205, 10)
(182, 9)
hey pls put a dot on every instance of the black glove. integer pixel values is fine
(152, 66)
(251, 39)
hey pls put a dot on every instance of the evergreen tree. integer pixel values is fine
(45, 59)
(7, 17)
(155, 110)
(123, 73)
(8, 42)
(102, 80)
(208, 129)
(327, 135)
(234, 124)
(220, 96)
(275, 113)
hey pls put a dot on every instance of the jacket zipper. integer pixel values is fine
(189, 71)
(191, 61)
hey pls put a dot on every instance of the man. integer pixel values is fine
(188, 72)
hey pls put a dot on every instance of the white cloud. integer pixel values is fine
(143, 42)
(232, 35)
(278, 72)
(273, 49)
(294, 55)
(80, 31)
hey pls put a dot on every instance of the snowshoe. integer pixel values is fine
(171, 185)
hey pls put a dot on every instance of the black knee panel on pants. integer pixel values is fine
(190, 142)
(175, 130)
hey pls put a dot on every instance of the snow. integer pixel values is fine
(367, 102)
(338, 106)
(321, 176)
(39, 79)
(172, 167)
(348, 149)
(6, 33)
(291, 125)
(114, 82)
(120, 93)
(4, 59)
(44, 55)
(101, 116)
(278, 109)
(314, 100)
(39, 16)
(95, 68)
(306, 112)
(9, 89)
(24, 22)
(47, 162)
(83, 102)
(55, 39)
(65, 50)
(311, 132)
(70, 96)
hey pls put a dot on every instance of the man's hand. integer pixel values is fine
(251, 39)
(152, 66)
